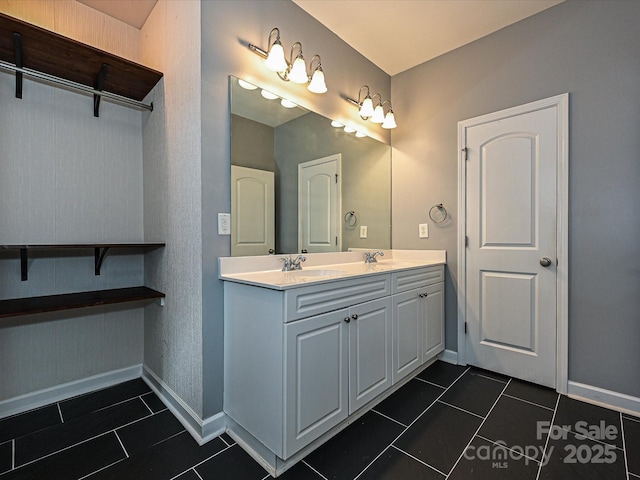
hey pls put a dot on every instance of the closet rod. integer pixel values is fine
(75, 86)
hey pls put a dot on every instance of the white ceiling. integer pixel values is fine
(393, 34)
(399, 34)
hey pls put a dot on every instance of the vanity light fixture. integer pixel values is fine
(287, 103)
(376, 114)
(336, 124)
(349, 129)
(246, 85)
(294, 70)
(268, 95)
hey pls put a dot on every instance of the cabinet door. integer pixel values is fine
(407, 333)
(432, 306)
(370, 333)
(316, 384)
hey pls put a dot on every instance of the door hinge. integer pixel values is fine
(336, 241)
(465, 328)
(466, 153)
(466, 241)
(336, 178)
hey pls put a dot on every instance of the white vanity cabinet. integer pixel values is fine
(418, 318)
(335, 363)
(299, 361)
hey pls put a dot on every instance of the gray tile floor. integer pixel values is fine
(449, 422)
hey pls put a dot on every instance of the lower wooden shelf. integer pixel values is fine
(68, 301)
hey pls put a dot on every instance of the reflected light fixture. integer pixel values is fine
(336, 124)
(287, 103)
(376, 114)
(268, 95)
(246, 85)
(294, 70)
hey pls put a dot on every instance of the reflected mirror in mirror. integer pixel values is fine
(300, 185)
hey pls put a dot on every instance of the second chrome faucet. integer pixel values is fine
(291, 264)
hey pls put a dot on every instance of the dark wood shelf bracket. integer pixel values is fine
(99, 256)
(24, 259)
(96, 97)
(17, 53)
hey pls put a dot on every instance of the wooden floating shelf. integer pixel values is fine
(31, 47)
(67, 301)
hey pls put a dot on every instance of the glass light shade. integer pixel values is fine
(349, 129)
(287, 103)
(275, 60)
(246, 85)
(336, 124)
(389, 120)
(298, 73)
(317, 84)
(268, 95)
(378, 114)
(360, 134)
(366, 110)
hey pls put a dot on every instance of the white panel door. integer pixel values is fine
(369, 351)
(511, 245)
(317, 377)
(319, 205)
(252, 211)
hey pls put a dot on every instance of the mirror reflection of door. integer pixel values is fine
(319, 203)
(252, 211)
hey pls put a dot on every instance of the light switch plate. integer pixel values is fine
(423, 230)
(224, 224)
(363, 231)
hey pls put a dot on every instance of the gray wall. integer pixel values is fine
(366, 180)
(589, 49)
(252, 144)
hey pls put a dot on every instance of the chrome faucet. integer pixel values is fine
(291, 264)
(370, 257)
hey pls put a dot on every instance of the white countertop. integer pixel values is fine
(266, 271)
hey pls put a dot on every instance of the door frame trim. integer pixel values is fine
(561, 103)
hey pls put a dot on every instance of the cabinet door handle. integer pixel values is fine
(347, 319)
(354, 316)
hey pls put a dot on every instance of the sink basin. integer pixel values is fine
(315, 273)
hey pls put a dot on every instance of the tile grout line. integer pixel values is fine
(624, 447)
(101, 469)
(504, 445)
(428, 382)
(479, 374)
(145, 404)
(479, 427)
(527, 401)
(546, 443)
(60, 412)
(633, 419)
(121, 444)
(389, 418)
(116, 404)
(197, 474)
(13, 454)
(308, 465)
(85, 441)
(193, 467)
(414, 421)
(633, 475)
(460, 408)
(418, 460)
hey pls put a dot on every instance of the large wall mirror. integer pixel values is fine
(301, 185)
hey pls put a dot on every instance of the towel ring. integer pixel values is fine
(350, 218)
(442, 210)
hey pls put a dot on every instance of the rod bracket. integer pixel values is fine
(17, 55)
(24, 258)
(98, 87)
(99, 254)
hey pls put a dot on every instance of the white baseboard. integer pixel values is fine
(449, 356)
(40, 398)
(604, 398)
(201, 430)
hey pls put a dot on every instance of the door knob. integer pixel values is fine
(545, 261)
(354, 316)
(347, 319)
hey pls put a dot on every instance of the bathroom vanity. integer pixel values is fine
(309, 351)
